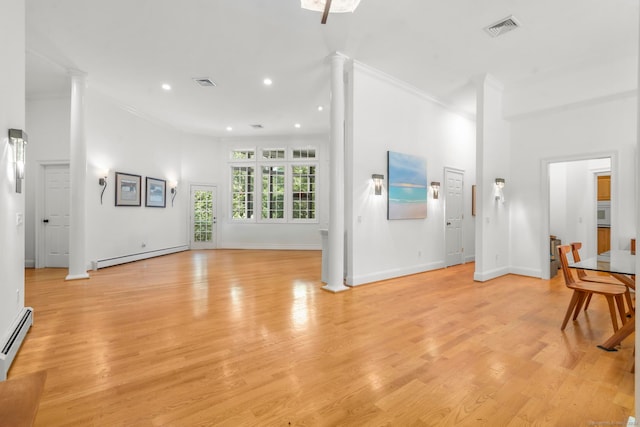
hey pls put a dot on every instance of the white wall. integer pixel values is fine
(120, 141)
(12, 115)
(388, 115)
(589, 130)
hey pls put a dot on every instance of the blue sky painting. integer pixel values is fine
(407, 193)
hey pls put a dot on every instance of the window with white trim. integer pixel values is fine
(286, 185)
(242, 192)
(273, 192)
(303, 191)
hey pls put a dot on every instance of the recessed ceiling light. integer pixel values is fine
(229, 128)
(267, 81)
(320, 108)
(166, 86)
(297, 126)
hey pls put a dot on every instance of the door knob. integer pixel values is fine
(45, 221)
(448, 223)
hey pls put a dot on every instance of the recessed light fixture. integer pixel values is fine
(229, 128)
(297, 126)
(320, 108)
(166, 86)
(267, 81)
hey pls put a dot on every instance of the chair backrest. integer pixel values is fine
(575, 246)
(563, 250)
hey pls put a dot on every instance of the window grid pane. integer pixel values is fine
(273, 154)
(243, 154)
(304, 192)
(273, 182)
(304, 153)
(242, 192)
(203, 216)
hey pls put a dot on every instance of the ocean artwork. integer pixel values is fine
(407, 192)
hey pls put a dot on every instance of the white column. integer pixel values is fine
(335, 282)
(78, 176)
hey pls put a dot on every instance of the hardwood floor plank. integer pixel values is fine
(235, 337)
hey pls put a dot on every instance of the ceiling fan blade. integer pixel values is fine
(325, 14)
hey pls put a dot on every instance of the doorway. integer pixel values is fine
(454, 185)
(571, 213)
(203, 217)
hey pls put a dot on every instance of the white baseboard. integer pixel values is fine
(470, 258)
(29, 263)
(491, 274)
(108, 262)
(271, 246)
(392, 274)
(531, 272)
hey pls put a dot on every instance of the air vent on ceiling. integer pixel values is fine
(257, 126)
(503, 26)
(204, 81)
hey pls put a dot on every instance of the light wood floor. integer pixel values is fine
(244, 338)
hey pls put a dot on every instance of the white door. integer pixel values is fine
(453, 215)
(56, 216)
(203, 217)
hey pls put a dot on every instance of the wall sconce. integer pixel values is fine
(499, 186)
(18, 140)
(435, 185)
(102, 181)
(377, 183)
(174, 191)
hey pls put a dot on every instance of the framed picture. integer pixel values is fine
(128, 187)
(156, 193)
(473, 200)
(407, 193)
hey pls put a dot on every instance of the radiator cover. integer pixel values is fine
(13, 340)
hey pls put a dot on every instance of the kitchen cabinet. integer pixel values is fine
(604, 239)
(604, 187)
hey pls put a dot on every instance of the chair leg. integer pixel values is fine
(621, 310)
(612, 312)
(586, 305)
(572, 304)
(627, 296)
(583, 296)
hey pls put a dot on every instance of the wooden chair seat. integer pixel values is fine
(583, 276)
(582, 290)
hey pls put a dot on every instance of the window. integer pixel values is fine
(279, 185)
(303, 192)
(273, 154)
(243, 154)
(273, 190)
(304, 153)
(242, 192)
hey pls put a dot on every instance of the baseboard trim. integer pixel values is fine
(393, 273)
(274, 247)
(526, 272)
(29, 263)
(109, 262)
(491, 274)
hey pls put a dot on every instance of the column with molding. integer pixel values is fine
(335, 279)
(78, 178)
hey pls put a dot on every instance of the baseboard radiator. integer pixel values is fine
(12, 342)
(109, 262)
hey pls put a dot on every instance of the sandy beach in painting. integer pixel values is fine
(407, 210)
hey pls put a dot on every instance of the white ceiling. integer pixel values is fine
(129, 48)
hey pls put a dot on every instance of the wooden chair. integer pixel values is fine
(581, 290)
(586, 277)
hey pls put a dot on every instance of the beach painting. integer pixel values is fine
(407, 193)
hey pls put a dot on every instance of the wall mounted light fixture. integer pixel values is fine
(499, 186)
(377, 183)
(435, 186)
(174, 191)
(329, 6)
(18, 140)
(102, 181)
